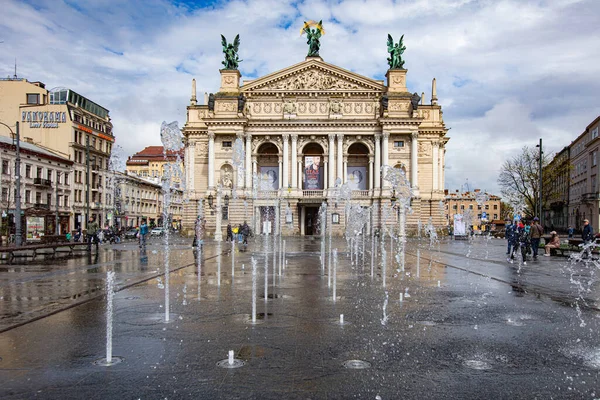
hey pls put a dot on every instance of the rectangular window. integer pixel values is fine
(67, 178)
(462, 207)
(487, 206)
(39, 172)
(33, 98)
(595, 133)
(27, 171)
(455, 207)
(38, 197)
(495, 216)
(226, 144)
(49, 175)
(28, 196)
(49, 199)
(495, 206)
(66, 201)
(5, 167)
(5, 195)
(398, 143)
(470, 206)
(594, 158)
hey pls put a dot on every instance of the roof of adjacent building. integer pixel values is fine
(33, 149)
(154, 153)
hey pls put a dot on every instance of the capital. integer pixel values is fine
(340, 136)
(285, 136)
(377, 136)
(211, 135)
(386, 135)
(331, 137)
(414, 135)
(294, 137)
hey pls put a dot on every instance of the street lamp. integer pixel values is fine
(18, 228)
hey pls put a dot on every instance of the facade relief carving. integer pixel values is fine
(424, 149)
(313, 79)
(226, 107)
(335, 106)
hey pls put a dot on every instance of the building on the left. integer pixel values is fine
(73, 128)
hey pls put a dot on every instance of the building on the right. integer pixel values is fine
(556, 191)
(467, 202)
(583, 199)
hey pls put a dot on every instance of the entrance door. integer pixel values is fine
(311, 220)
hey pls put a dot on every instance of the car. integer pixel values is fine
(131, 234)
(158, 231)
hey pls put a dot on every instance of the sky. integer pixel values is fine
(508, 72)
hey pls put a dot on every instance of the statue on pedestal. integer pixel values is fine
(395, 60)
(230, 50)
(313, 36)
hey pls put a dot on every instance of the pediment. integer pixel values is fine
(313, 75)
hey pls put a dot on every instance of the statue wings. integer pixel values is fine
(224, 41)
(390, 43)
(236, 43)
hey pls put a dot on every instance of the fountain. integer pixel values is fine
(110, 292)
(231, 361)
(172, 140)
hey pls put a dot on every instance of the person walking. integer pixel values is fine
(587, 234)
(229, 233)
(143, 233)
(240, 234)
(508, 233)
(92, 233)
(554, 243)
(513, 241)
(524, 241)
(570, 232)
(245, 232)
(536, 233)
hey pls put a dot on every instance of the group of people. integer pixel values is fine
(525, 238)
(240, 232)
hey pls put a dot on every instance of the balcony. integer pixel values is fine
(42, 206)
(95, 167)
(589, 197)
(312, 193)
(42, 182)
(360, 194)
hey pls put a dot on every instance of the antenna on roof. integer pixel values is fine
(15, 76)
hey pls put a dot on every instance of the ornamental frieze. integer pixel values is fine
(424, 149)
(312, 80)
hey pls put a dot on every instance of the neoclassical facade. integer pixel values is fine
(300, 130)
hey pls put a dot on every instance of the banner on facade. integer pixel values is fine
(269, 178)
(35, 228)
(357, 178)
(313, 173)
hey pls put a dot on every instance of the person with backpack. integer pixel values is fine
(143, 233)
(508, 234)
(524, 241)
(587, 234)
(536, 234)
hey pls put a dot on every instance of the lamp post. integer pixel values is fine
(18, 228)
(56, 218)
(540, 184)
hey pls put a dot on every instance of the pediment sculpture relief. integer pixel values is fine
(312, 80)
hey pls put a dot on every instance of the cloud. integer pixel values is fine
(508, 72)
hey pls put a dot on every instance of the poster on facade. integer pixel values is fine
(269, 178)
(313, 173)
(357, 178)
(459, 225)
(35, 228)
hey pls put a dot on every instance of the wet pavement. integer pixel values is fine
(469, 325)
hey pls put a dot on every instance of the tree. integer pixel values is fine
(519, 181)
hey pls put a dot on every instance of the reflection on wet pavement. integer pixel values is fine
(488, 329)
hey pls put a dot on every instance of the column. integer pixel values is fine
(414, 152)
(300, 175)
(211, 160)
(331, 160)
(435, 167)
(345, 178)
(248, 161)
(190, 161)
(370, 172)
(441, 164)
(286, 159)
(280, 173)
(325, 181)
(340, 155)
(239, 171)
(377, 180)
(254, 166)
(218, 212)
(385, 136)
(294, 160)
